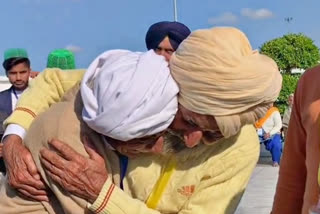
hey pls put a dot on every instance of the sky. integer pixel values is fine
(90, 27)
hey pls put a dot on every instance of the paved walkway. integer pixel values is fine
(259, 194)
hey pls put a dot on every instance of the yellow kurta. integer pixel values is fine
(207, 179)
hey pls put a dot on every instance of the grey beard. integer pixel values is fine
(173, 142)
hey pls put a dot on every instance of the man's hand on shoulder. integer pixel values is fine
(74, 172)
(21, 169)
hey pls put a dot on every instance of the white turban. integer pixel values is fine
(129, 95)
(220, 75)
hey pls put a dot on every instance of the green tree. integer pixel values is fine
(292, 51)
(289, 84)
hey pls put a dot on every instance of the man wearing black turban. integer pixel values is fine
(165, 37)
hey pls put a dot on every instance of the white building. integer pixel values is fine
(297, 71)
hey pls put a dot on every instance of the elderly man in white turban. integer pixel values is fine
(217, 72)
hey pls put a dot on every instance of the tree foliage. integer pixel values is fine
(289, 85)
(292, 51)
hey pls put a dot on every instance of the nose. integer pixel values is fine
(167, 57)
(192, 138)
(18, 76)
(191, 135)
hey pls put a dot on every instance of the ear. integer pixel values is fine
(192, 138)
(158, 146)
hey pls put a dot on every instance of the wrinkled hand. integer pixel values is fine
(77, 174)
(21, 169)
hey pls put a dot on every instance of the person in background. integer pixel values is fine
(165, 37)
(17, 68)
(286, 115)
(61, 58)
(268, 129)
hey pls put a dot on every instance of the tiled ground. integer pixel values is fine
(259, 194)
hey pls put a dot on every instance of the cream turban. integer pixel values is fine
(220, 75)
(129, 95)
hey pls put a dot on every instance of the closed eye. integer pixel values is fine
(191, 123)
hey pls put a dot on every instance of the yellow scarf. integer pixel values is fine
(156, 194)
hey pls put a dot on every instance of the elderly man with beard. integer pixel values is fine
(219, 96)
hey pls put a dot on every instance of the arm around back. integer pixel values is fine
(48, 88)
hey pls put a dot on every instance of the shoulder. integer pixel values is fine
(228, 157)
(243, 144)
(311, 74)
(276, 113)
(307, 96)
(309, 81)
(65, 75)
(59, 119)
(5, 92)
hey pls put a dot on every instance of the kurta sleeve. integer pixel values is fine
(113, 200)
(45, 90)
(277, 123)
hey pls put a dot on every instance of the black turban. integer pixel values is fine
(176, 32)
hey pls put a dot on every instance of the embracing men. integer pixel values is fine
(125, 145)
